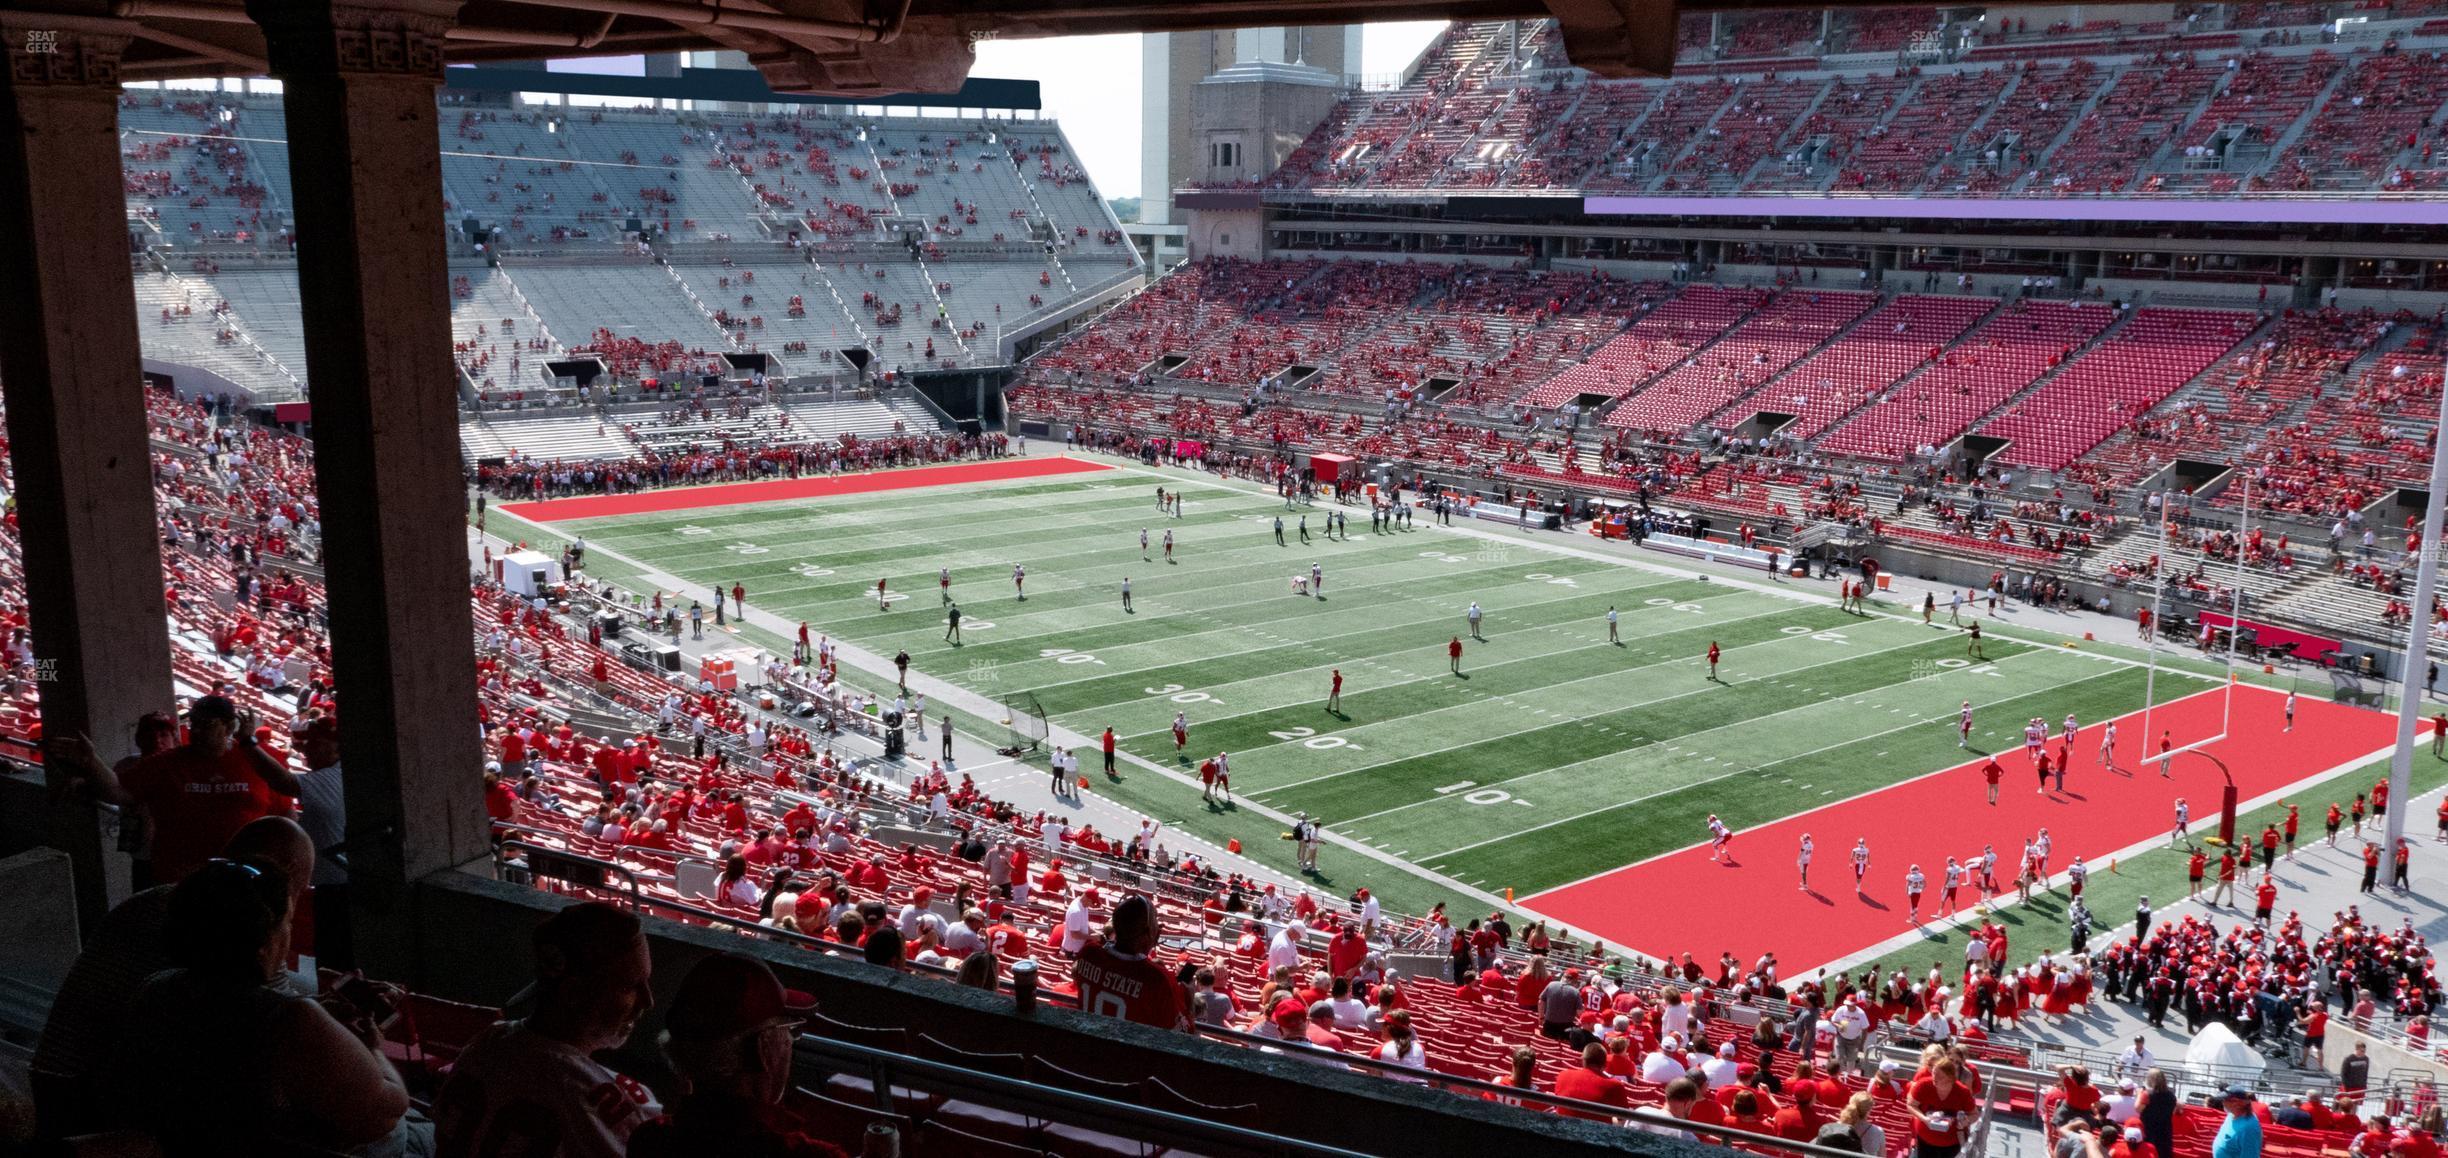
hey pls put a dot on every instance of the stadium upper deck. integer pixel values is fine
(2252, 99)
(921, 240)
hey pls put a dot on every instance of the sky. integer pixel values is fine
(1091, 84)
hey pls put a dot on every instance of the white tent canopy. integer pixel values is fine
(2218, 1046)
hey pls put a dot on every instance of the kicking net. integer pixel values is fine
(1027, 719)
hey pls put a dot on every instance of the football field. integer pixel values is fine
(1552, 759)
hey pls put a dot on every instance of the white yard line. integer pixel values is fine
(1921, 722)
(1372, 660)
(1687, 737)
(1274, 789)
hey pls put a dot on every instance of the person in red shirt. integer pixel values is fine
(2194, 868)
(1453, 654)
(1992, 773)
(197, 795)
(1334, 694)
(1942, 1111)
(1117, 978)
(500, 800)
(1712, 658)
(1800, 1121)
(1107, 740)
(1347, 952)
(2265, 899)
(2419, 1140)
(1589, 1082)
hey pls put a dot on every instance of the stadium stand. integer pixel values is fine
(1997, 360)
(2118, 380)
(2052, 114)
(825, 233)
(1013, 232)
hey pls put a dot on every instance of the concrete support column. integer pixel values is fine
(76, 418)
(365, 155)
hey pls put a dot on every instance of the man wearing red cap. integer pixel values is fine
(728, 1037)
(1117, 978)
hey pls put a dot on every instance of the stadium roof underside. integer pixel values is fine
(861, 48)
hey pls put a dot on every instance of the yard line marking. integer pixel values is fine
(1778, 589)
(1278, 788)
(1779, 820)
(1483, 695)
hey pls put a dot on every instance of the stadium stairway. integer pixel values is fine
(194, 340)
(568, 436)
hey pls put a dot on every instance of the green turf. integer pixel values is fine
(1554, 755)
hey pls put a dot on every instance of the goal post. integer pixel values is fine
(2228, 658)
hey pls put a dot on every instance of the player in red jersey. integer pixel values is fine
(1712, 658)
(1334, 694)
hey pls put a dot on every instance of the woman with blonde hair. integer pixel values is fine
(1856, 1117)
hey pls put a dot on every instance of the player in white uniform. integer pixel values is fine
(1019, 577)
(1143, 546)
(2040, 857)
(2024, 873)
(2070, 729)
(1802, 861)
(2076, 874)
(2184, 816)
(1914, 883)
(1317, 581)
(1719, 835)
(1988, 871)
(2290, 711)
(2035, 736)
(1168, 544)
(1954, 880)
(2108, 745)
(1861, 862)
(943, 582)
(1963, 726)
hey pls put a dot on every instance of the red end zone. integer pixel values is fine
(1684, 902)
(771, 490)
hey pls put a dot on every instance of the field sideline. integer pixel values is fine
(1554, 757)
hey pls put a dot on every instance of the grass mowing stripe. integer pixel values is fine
(1798, 741)
(870, 547)
(1061, 598)
(1677, 709)
(1169, 635)
(1393, 718)
(1256, 688)
(1577, 846)
(1638, 769)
